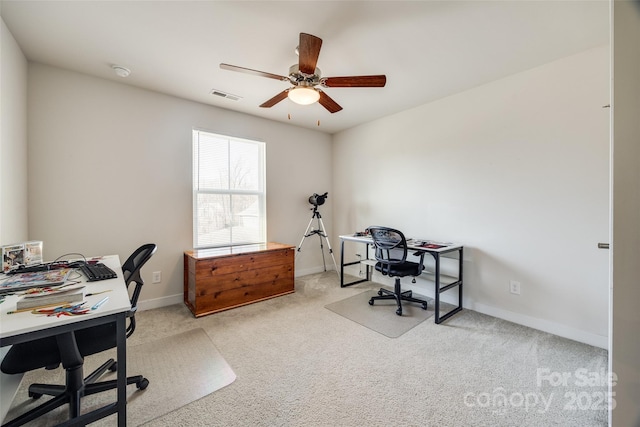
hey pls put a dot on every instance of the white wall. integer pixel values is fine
(13, 140)
(13, 167)
(516, 170)
(131, 150)
(625, 319)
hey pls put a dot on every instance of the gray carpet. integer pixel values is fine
(181, 369)
(299, 364)
(381, 317)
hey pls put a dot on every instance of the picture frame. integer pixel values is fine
(12, 256)
(33, 252)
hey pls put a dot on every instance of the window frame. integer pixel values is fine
(260, 192)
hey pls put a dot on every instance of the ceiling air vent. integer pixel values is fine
(222, 94)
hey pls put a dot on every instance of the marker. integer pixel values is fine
(99, 303)
(96, 293)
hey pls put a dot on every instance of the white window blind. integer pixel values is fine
(228, 191)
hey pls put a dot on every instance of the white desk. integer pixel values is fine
(436, 252)
(22, 327)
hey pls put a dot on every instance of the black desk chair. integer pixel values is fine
(69, 349)
(391, 256)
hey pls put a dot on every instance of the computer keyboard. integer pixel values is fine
(98, 271)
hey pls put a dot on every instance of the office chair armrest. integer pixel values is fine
(384, 268)
(420, 254)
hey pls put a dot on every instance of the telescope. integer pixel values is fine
(317, 200)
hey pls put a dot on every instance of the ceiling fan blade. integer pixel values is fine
(273, 101)
(355, 81)
(328, 103)
(308, 53)
(254, 72)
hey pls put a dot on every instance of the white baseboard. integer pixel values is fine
(426, 288)
(544, 325)
(160, 302)
(314, 270)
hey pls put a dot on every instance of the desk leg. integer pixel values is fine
(121, 332)
(436, 258)
(460, 278)
(368, 268)
(342, 264)
(439, 289)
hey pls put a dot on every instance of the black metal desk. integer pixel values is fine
(436, 251)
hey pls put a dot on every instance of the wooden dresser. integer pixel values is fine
(223, 278)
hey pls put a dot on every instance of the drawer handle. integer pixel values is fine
(603, 246)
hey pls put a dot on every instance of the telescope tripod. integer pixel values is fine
(319, 230)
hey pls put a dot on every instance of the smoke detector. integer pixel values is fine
(121, 71)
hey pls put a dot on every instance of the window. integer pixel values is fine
(228, 191)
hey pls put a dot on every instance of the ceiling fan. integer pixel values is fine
(307, 80)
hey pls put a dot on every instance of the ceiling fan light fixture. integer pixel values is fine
(304, 95)
(305, 78)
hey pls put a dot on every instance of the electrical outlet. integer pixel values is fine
(157, 277)
(514, 287)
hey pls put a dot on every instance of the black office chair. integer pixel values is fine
(69, 349)
(391, 254)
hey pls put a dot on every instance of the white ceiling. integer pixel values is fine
(427, 49)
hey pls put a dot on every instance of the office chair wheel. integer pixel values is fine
(399, 312)
(35, 396)
(114, 367)
(424, 305)
(380, 293)
(371, 301)
(144, 383)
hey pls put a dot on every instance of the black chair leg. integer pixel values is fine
(398, 295)
(93, 377)
(71, 394)
(38, 411)
(140, 382)
(36, 390)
